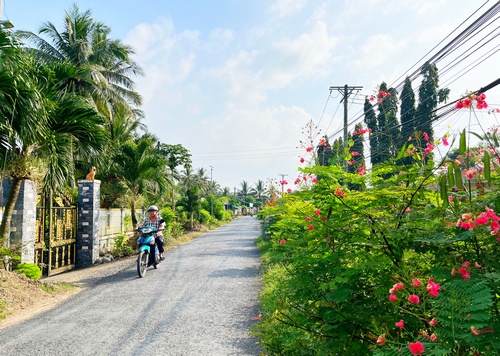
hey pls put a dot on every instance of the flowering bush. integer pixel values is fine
(409, 265)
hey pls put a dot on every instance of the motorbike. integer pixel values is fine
(149, 255)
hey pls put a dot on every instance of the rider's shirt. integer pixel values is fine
(156, 224)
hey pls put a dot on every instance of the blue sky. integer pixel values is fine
(236, 82)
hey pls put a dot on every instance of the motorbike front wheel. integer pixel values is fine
(142, 263)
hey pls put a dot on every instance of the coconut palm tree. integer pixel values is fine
(90, 63)
(259, 191)
(141, 170)
(41, 125)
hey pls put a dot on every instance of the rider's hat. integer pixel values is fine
(153, 208)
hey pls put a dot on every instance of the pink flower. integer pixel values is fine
(416, 348)
(400, 324)
(288, 190)
(451, 198)
(393, 298)
(426, 136)
(470, 173)
(308, 218)
(302, 159)
(282, 241)
(381, 339)
(317, 212)
(399, 286)
(445, 141)
(361, 170)
(433, 288)
(466, 264)
(433, 337)
(309, 149)
(414, 299)
(311, 227)
(416, 282)
(433, 322)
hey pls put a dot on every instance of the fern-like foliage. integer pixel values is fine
(464, 310)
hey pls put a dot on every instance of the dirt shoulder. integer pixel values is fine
(22, 298)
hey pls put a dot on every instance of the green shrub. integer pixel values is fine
(30, 270)
(122, 246)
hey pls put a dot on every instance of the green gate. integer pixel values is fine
(55, 237)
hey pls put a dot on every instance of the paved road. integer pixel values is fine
(201, 300)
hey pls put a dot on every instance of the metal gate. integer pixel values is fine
(55, 238)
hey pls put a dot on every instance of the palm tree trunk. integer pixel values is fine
(9, 209)
(132, 213)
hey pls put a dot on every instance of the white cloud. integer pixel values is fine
(222, 35)
(309, 55)
(378, 50)
(284, 8)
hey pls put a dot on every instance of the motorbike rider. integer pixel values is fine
(155, 220)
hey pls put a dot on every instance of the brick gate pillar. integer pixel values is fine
(87, 237)
(23, 221)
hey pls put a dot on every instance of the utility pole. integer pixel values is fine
(345, 91)
(211, 191)
(281, 182)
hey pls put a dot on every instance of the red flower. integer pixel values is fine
(282, 241)
(416, 282)
(400, 324)
(302, 159)
(381, 339)
(311, 227)
(317, 212)
(393, 298)
(414, 299)
(309, 149)
(416, 348)
(308, 218)
(339, 193)
(426, 136)
(433, 288)
(433, 322)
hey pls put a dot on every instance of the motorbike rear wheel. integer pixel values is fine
(142, 263)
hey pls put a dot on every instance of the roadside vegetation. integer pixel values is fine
(398, 259)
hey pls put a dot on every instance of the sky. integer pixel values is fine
(238, 82)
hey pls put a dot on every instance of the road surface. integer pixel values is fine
(202, 300)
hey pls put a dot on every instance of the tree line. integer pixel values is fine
(68, 103)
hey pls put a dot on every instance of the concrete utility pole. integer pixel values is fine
(282, 179)
(211, 191)
(345, 91)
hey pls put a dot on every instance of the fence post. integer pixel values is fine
(23, 218)
(87, 237)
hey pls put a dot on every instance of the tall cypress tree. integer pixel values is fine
(429, 95)
(388, 124)
(357, 150)
(371, 122)
(408, 110)
(324, 153)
